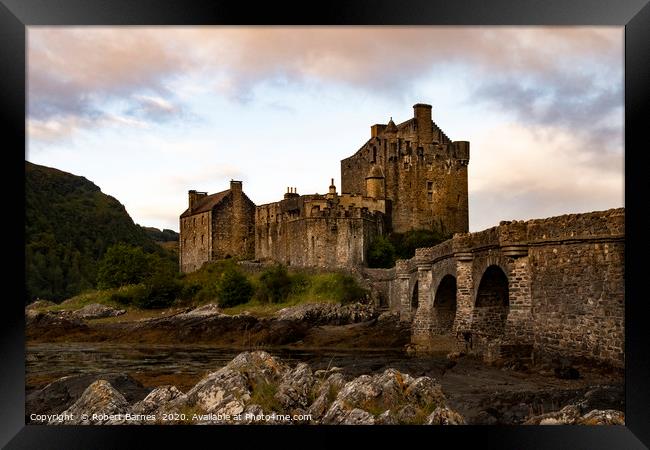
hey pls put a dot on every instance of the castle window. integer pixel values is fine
(430, 191)
(374, 155)
(194, 240)
(429, 185)
(202, 239)
(430, 196)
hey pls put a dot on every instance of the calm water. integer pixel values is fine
(46, 362)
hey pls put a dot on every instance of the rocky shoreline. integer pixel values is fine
(256, 387)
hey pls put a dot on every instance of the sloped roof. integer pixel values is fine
(206, 203)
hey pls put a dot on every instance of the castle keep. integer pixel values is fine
(417, 169)
(407, 176)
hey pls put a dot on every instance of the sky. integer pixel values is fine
(147, 113)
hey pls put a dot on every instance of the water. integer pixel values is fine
(46, 362)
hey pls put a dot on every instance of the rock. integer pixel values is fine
(38, 304)
(328, 313)
(444, 415)
(215, 391)
(156, 400)
(388, 317)
(100, 404)
(603, 397)
(406, 414)
(600, 417)
(62, 393)
(258, 364)
(358, 417)
(566, 416)
(211, 309)
(295, 387)
(97, 311)
(389, 390)
(386, 418)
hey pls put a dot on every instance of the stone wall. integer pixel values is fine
(195, 241)
(555, 285)
(316, 231)
(233, 223)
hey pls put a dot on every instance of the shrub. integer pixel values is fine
(233, 288)
(381, 253)
(160, 291)
(275, 284)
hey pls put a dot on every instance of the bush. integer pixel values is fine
(381, 253)
(275, 284)
(233, 288)
(160, 291)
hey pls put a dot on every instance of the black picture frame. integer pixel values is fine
(16, 15)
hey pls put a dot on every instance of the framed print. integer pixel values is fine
(359, 220)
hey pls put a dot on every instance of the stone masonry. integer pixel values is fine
(556, 285)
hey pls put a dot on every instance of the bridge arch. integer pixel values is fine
(444, 305)
(414, 296)
(491, 305)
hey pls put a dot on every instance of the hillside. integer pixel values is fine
(69, 225)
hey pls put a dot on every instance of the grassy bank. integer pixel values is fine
(234, 288)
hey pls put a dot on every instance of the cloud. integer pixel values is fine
(527, 174)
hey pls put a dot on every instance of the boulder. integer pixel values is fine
(100, 404)
(38, 304)
(62, 393)
(156, 400)
(443, 415)
(97, 311)
(295, 387)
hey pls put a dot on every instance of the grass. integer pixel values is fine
(263, 394)
(199, 288)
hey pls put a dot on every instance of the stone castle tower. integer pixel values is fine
(417, 169)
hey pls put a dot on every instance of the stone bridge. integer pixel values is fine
(547, 286)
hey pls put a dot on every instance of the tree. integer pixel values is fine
(381, 253)
(275, 284)
(124, 264)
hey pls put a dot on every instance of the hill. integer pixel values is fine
(69, 225)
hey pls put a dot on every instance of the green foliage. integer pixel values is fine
(406, 243)
(160, 291)
(69, 225)
(234, 288)
(275, 284)
(124, 264)
(381, 253)
(341, 287)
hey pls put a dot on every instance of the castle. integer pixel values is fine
(529, 288)
(406, 176)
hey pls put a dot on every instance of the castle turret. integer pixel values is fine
(332, 191)
(375, 183)
(422, 114)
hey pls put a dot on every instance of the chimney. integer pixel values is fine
(193, 197)
(236, 186)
